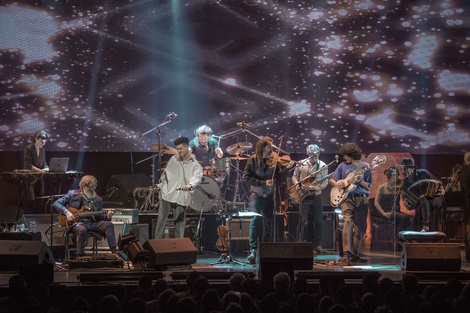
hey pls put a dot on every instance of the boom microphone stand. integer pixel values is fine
(168, 119)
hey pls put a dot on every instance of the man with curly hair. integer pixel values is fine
(355, 207)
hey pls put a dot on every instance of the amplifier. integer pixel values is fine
(129, 216)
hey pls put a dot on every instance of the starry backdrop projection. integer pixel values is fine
(388, 75)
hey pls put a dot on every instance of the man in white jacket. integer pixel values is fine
(182, 175)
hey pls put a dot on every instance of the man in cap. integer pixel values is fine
(310, 194)
(425, 204)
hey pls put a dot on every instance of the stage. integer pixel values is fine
(382, 263)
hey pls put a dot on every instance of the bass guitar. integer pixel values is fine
(339, 194)
(77, 215)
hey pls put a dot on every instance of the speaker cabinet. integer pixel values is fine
(431, 257)
(171, 251)
(16, 252)
(239, 234)
(328, 228)
(275, 257)
(123, 185)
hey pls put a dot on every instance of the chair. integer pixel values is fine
(380, 226)
(454, 214)
(70, 244)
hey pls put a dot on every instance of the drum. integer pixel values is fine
(222, 165)
(206, 195)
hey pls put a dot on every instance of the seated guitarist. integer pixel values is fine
(87, 201)
(355, 207)
(310, 195)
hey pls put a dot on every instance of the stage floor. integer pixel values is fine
(384, 263)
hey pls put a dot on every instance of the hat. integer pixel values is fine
(407, 162)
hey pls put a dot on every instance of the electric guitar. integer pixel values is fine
(77, 214)
(305, 189)
(339, 194)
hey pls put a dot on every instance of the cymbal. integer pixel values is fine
(239, 147)
(165, 149)
(238, 158)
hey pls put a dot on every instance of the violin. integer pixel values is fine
(222, 232)
(284, 160)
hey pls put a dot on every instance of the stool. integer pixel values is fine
(416, 236)
(457, 215)
(70, 244)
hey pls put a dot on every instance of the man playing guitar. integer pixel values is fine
(355, 207)
(310, 195)
(88, 201)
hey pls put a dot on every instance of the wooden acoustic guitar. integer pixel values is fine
(78, 214)
(339, 194)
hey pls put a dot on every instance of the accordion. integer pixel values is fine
(421, 188)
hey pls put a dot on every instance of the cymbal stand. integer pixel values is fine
(228, 258)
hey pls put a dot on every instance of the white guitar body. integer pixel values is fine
(338, 195)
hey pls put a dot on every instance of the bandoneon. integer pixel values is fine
(422, 188)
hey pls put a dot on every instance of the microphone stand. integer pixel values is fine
(159, 137)
(50, 199)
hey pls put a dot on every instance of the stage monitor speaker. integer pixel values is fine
(171, 251)
(431, 257)
(16, 252)
(275, 257)
(123, 185)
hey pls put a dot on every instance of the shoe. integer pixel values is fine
(251, 259)
(345, 259)
(357, 259)
(319, 249)
(425, 229)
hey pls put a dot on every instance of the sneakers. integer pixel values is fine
(251, 259)
(345, 259)
(319, 249)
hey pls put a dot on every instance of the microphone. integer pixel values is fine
(172, 115)
(336, 157)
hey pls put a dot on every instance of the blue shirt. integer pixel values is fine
(344, 169)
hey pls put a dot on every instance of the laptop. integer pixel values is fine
(58, 165)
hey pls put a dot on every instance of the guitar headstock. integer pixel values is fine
(378, 160)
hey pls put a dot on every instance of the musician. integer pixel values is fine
(87, 200)
(310, 193)
(34, 157)
(261, 170)
(464, 178)
(355, 208)
(387, 201)
(454, 184)
(182, 175)
(425, 205)
(204, 146)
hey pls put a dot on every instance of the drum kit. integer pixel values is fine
(209, 195)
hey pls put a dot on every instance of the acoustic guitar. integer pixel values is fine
(77, 214)
(339, 194)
